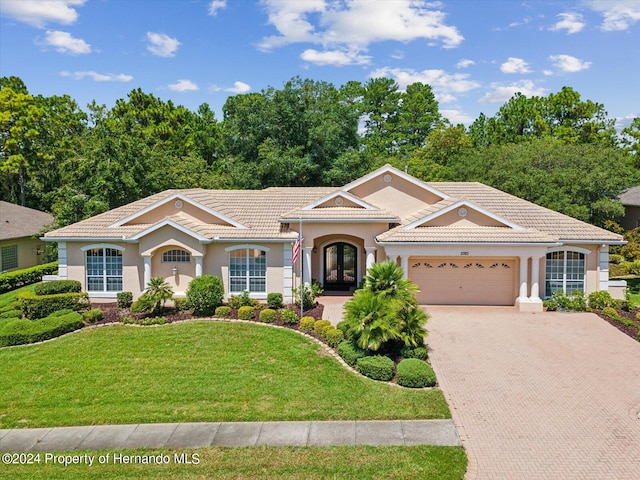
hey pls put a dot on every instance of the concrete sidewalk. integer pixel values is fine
(231, 434)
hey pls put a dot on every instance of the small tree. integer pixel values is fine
(158, 291)
(204, 294)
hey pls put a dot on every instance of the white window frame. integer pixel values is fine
(176, 255)
(105, 291)
(13, 254)
(246, 274)
(581, 251)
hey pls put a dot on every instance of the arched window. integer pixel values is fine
(176, 256)
(104, 269)
(248, 270)
(565, 271)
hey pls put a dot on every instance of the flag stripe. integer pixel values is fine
(296, 250)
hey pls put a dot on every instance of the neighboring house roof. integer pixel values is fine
(631, 197)
(18, 222)
(268, 215)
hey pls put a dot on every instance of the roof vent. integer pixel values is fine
(339, 201)
(387, 178)
(178, 204)
(462, 212)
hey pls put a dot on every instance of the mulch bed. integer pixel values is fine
(627, 330)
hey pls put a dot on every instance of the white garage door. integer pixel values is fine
(467, 281)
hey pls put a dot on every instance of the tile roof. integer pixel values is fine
(17, 221)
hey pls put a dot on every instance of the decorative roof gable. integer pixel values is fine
(339, 199)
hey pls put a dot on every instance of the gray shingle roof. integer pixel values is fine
(17, 221)
(631, 197)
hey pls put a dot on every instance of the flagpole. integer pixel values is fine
(302, 286)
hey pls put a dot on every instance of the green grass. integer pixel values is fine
(192, 372)
(361, 462)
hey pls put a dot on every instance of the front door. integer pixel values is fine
(340, 266)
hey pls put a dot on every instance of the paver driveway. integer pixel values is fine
(539, 396)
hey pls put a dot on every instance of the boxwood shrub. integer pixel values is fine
(320, 326)
(350, 353)
(204, 294)
(376, 367)
(124, 299)
(306, 323)
(268, 315)
(247, 313)
(414, 352)
(274, 300)
(93, 316)
(288, 316)
(19, 278)
(223, 311)
(333, 336)
(18, 332)
(415, 373)
(57, 286)
(40, 306)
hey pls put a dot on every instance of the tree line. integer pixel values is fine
(559, 151)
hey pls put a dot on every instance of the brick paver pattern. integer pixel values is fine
(539, 396)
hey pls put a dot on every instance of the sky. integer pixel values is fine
(475, 54)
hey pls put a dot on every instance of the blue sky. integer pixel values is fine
(474, 53)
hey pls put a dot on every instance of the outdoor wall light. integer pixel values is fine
(175, 271)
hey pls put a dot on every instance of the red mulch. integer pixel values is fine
(627, 330)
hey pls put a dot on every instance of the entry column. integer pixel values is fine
(371, 256)
(524, 264)
(404, 264)
(306, 273)
(147, 270)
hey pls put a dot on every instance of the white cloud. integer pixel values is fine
(568, 64)
(457, 116)
(397, 55)
(38, 13)
(98, 77)
(515, 65)
(571, 22)
(162, 45)
(183, 85)
(502, 93)
(238, 87)
(626, 121)
(618, 14)
(464, 63)
(334, 57)
(354, 25)
(215, 6)
(445, 85)
(63, 42)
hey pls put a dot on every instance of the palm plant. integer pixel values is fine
(158, 292)
(387, 279)
(371, 320)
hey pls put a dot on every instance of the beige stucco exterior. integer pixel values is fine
(28, 249)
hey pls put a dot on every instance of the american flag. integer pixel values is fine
(296, 249)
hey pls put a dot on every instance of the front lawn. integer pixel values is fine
(192, 372)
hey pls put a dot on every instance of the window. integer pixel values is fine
(104, 270)
(176, 256)
(248, 270)
(565, 271)
(9, 257)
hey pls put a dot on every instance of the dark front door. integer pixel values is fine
(340, 266)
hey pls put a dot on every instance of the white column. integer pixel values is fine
(198, 266)
(603, 280)
(535, 278)
(371, 256)
(523, 278)
(306, 274)
(393, 258)
(287, 278)
(404, 263)
(147, 270)
(62, 260)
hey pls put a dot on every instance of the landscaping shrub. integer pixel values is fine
(124, 299)
(376, 367)
(289, 316)
(550, 304)
(414, 352)
(19, 332)
(204, 294)
(575, 302)
(11, 314)
(638, 316)
(351, 353)
(274, 300)
(19, 278)
(246, 313)
(143, 321)
(320, 326)
(268, 315)
(243, 300)
(154, 297)
(622, 305)
(57, 286)
(343, 327)
(93, 316)
(634, 267)
(611, 313)
(306, 323)
(9, 306)
(143, 304)
(600, 300)
(309, 293)
(333, 336)
(223, 311)
(40, 306)
(415, 373)
(181, 304)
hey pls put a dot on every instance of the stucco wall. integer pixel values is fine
(27, 251)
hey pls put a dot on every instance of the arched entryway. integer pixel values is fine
(340, 266)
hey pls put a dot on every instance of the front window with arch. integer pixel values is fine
(565, 271)
(176, 256)
(248, 270)
(104, 269)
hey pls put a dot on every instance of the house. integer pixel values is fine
(631, 201)
(462, 243)
(18, 227)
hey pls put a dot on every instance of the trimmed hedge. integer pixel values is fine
(204, 294)
(415, 373)
(320, 326)
(376, 367)
(124, 299)
(11, 314)
(58, 286)
(288, 316)
(223, 311)
(19, 278)
(274, 300)
(351, 353)
(306, 323)
(19, 332)
(414, 352)
(268, 315)
(247, 313)
(40, 306)
(333, 336)
(93, 316)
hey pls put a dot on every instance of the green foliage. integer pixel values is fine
(350, 352)
(288, 316)
(633, 268)
(274, 300)
(124, 299)
(333, 336)
(575, 302)
(127, 320)
(93, 316)
(344, 328)
(414, 352)
(309, 294)
(158, 292)
(631, 251)
(320, 326)
(247, 312)
(376, 367)
(143, 304)
(223, 312)
(40, 306)
(306, 323)
(551, 305)
(204, 294)
(601, 299)
(181, 304)
(268, 315)
(611, 313)
(242, 300)
(11, 314)
(415, 373)
(19, 332)
(19, 278)
(57, 286)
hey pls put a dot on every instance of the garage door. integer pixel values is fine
(469, 281)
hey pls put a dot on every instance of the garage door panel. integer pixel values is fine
(470, 281)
